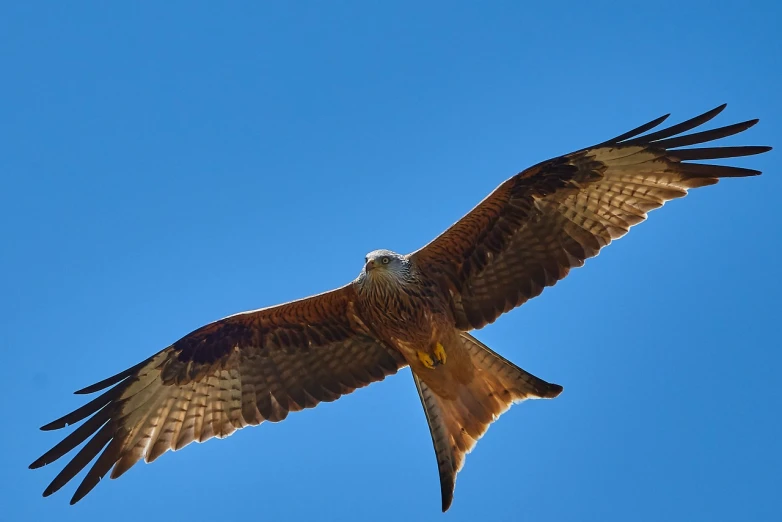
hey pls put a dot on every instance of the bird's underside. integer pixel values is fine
(411, 310)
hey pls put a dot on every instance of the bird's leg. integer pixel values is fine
(426, 359)
(439, 353)
(432, 362)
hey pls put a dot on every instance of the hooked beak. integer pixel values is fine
(370, 265)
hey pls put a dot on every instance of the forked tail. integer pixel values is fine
(457, 424)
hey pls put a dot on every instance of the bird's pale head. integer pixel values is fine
(384, 265)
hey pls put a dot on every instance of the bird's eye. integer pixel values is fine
(385, 260)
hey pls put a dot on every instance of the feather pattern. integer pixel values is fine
(457, 424)
(550, 218)
(233, 373)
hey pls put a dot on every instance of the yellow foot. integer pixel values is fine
(439, 353)
(439, 357)
(426, 359)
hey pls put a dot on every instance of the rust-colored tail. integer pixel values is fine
(457, 424)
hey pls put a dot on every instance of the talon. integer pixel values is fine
(426, 359)
(439, 353)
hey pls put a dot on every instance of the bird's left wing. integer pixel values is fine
(229, 374)
(544, 221)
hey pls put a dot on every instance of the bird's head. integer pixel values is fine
(384, 265)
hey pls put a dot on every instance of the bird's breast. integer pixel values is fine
(408, 315)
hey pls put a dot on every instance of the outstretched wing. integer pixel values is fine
(232, 373)
(540, 223)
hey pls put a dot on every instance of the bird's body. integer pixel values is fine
(402, 310)
(398, 300)
(405, 308)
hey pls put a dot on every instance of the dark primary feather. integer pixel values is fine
(636, 131)
(114, 379)
(673, 129)
(549, 218)
(235, 372)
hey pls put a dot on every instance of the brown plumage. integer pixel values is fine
(411, 310)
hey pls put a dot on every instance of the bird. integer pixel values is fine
(415, 310)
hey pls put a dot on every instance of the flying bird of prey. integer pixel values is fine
(402, 310)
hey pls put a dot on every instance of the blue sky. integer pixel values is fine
(167, 165)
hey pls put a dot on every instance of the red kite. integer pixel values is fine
(402, 310)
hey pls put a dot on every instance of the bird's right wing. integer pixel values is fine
(232, 373)
(549, 218)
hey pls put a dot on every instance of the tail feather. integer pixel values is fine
(457, 424)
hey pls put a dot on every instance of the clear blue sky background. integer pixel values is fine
(164, 166)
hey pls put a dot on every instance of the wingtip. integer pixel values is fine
(654, 123)
(740, 172)
(553, 391)
(710, 115)
(54, 425)
(752, 122)
(80, 494)
(50, 490)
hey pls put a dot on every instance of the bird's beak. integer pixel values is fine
(370, 265)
